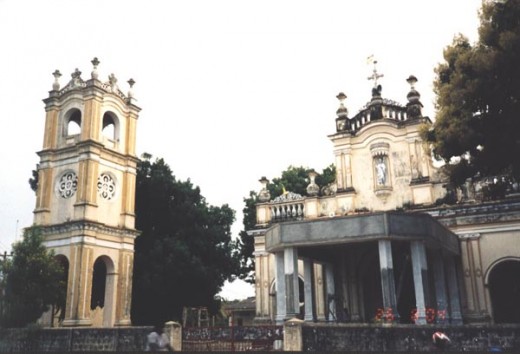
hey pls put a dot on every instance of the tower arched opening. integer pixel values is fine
(73, 122)
(110, 127)
(59, 309)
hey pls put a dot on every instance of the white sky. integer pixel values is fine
(230, 90)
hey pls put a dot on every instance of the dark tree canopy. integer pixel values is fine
(293, 179)
(33, 280)
(478, 98)
(185, 251)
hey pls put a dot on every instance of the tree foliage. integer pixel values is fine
(477, 91)
(185, 251)
(33, 280)
(293, 179)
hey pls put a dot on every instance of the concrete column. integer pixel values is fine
(453, 291)
(440, 287)
(330, 298)
(386, 265)
(280, 288)
(420, 279)
(308, 274)
(319, 292)
(292, 293)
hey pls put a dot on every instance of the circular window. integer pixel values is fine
(67, 185)
(106, 186)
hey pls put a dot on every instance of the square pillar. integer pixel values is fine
(420, 279)
(386, 265)
(455, 314)
(440, 287)
(292, 293)
(280, 288)
(308, 284)
(330, 298)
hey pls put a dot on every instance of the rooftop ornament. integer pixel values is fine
(131, 82)
(264, 194)
(95, 62)
(376, 90)
(56, 84)
(342, 112)
(414, 105)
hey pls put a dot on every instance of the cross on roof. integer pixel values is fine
(375, 75)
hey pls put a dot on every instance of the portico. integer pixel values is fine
(363, 253)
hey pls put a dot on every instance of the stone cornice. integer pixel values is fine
(84, 226)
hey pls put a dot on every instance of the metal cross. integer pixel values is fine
(375, 75)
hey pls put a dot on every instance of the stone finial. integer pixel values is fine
(95, 62)
(414, 105)
(56, 84)
(342, 110)
(312, 189)
(264, 195)
(412, 80)
(131, 82)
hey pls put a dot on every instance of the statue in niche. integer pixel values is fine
(415, 168)
(381, 172)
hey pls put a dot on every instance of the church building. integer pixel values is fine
(389, 241)
(85, 197)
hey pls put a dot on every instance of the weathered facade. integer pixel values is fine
(85, 197)
(381, 244)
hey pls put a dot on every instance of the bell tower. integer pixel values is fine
(86, 194)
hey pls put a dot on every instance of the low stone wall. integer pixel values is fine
(122, 339)
(397, 338)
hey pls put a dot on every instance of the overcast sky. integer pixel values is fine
(230, 90)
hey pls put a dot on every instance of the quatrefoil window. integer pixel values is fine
(68, 185)
(106, 186)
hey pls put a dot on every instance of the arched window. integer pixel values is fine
(73, 122)
(110, 127)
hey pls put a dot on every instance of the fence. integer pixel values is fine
(234, 338)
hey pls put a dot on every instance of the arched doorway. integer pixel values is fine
(103, 293)
(504, 290)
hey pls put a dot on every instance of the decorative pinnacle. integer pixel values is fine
(131, 82)
(95, 62)
(56, 84)
(412, 80)
(94, 73)
(342, 110)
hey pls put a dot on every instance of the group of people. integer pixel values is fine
(158, 341)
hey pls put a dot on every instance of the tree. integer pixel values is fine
(477, 91)
(185, 251)
(293, 179)
(33, 280)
